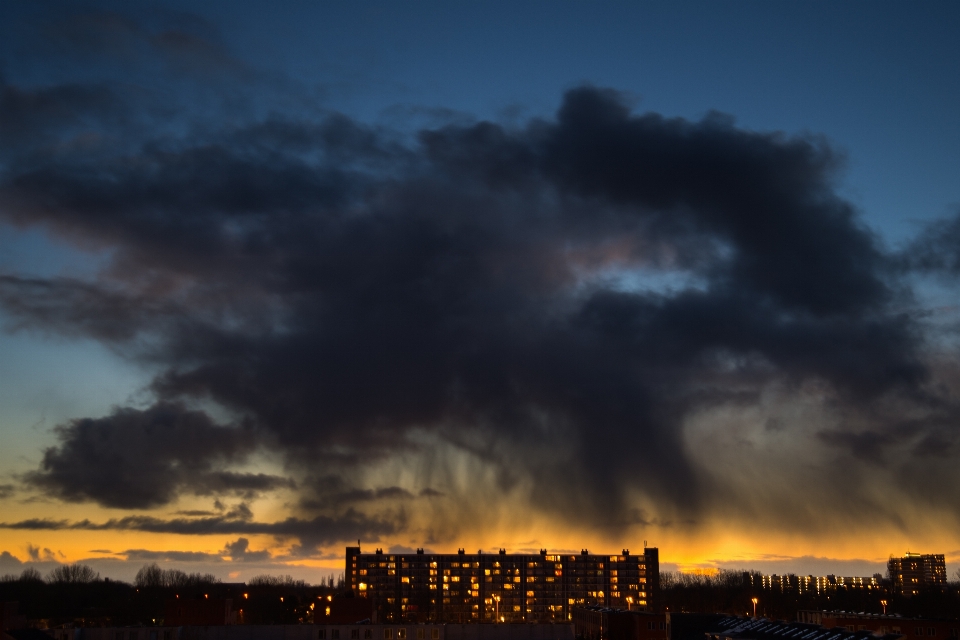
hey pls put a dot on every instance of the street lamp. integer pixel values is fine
(883, 603)
(754, 601)
(629, 602)
(496, 600)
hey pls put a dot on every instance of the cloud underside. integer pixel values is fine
(311, 533)
(566, 312)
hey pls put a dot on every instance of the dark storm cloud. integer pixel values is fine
(335, 491)
(341, 289)
(135, 459)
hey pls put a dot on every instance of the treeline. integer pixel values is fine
(76, 595)
(732, 592)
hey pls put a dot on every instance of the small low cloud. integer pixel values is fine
(147, 555)
(239, 551)
(317, 531)
(41, 555)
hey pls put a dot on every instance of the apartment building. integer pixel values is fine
(500, 587)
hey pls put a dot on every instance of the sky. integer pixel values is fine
(563, 275)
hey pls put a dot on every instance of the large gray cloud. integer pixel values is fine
(136, 458)
(342, 286)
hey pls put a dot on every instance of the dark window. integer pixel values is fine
(335, 634)
(919, 631)
(354, 634)
(322, 634)
(367, 634)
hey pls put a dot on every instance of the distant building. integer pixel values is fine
(484, 587)
(913, 571)
(876, 624)
(792, 583)
(603, 623)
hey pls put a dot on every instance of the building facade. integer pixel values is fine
(913, 571)
(500, 587)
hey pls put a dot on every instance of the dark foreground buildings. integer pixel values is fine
(603, 623)
(883, 625)
(490, 587)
